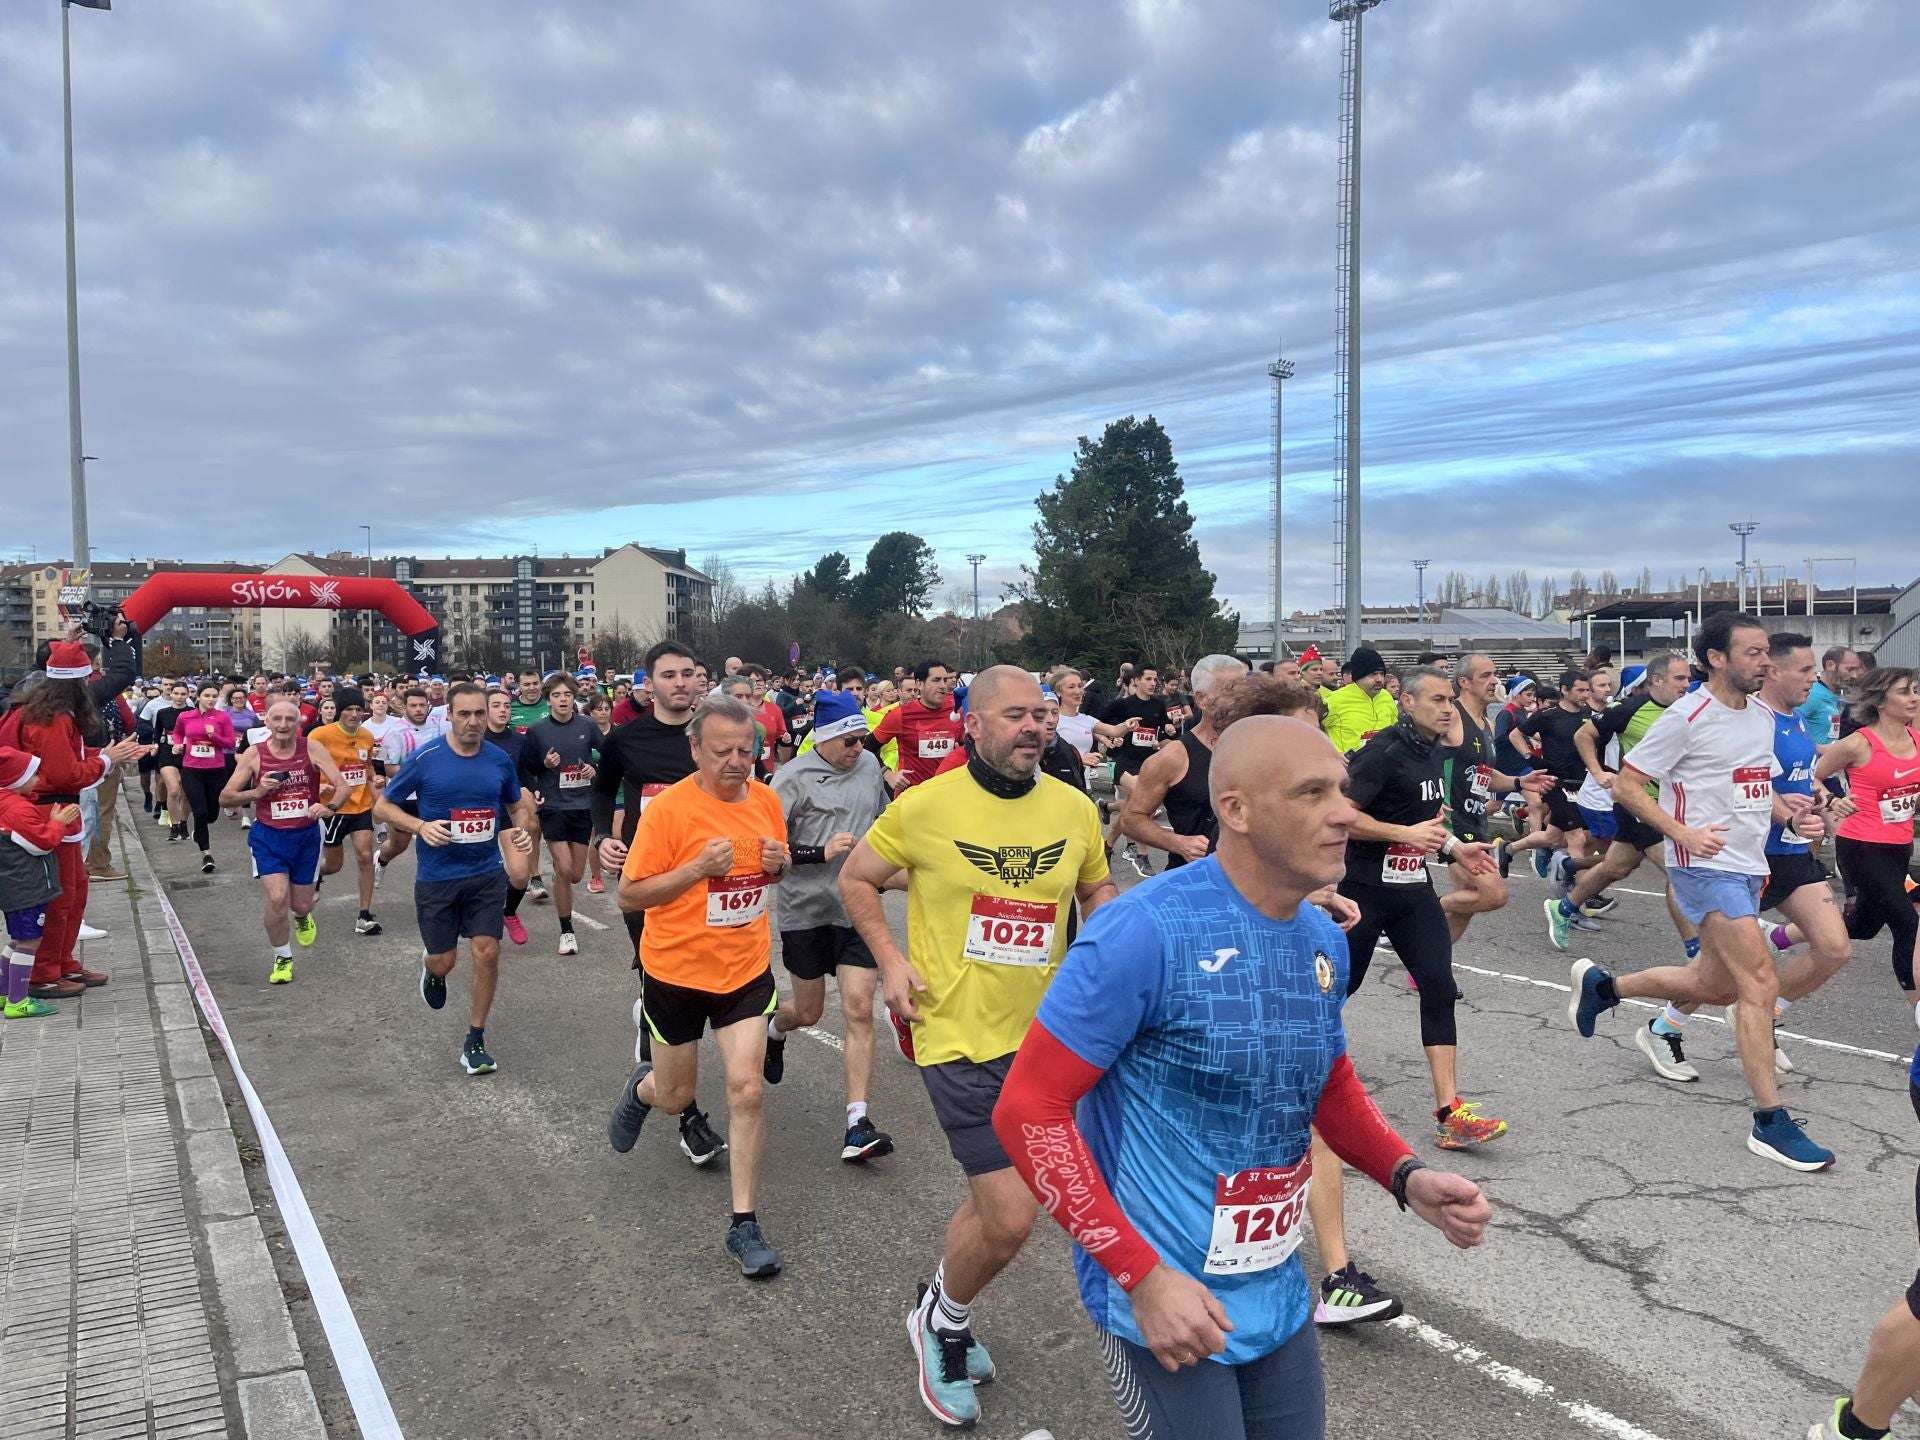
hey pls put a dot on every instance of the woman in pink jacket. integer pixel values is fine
(204, 739)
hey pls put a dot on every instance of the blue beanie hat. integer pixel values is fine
(837, 713)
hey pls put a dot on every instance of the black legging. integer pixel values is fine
(1410, 916)
(202, 789)
(1879, 875)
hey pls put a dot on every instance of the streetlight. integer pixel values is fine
(1420, 584)
(369, 530)
(76, 462)
(979, 652)
(1743, 528)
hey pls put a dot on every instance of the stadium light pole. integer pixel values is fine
(76, 460)
(1743, 528)
(1420, 588)
(370, 614)
(979, 653)
(1280, 370)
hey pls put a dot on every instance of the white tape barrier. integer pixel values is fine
(371, 1408)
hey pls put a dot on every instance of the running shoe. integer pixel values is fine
(366, 925)
(176, 833)
(282, 973)
(32, 1009)
(945, 1387)
(1593, 995)
(246, 821)
(89, 932)
(1504, 856)
(902, 1034)
(979, 1363)
(629, 1113)
(774, 1068)
(1781, 1137)
(1581, 922)
(1139, 862)
(758, 1260)
(1350, 1296)
(433, 989)
(305, 927)
(475, 1060)
(160, 817)
(206, 864)
(516, 931)
(537, 890)
(1465, 1127)
(1560, 874)
(379, 871)
(1540, 859)
(1782, 1065)
(865, 1142)
(1666, 1053)
(596, 885)
(699, 1141)
(1559, 924)
(1599, 905)
(1830, 1429)
(146, 803)
(569, 943)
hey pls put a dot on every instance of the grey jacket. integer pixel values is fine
(821, 802)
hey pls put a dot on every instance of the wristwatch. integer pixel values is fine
(1401, 1174)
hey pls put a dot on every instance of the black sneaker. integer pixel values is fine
(1599, 905)
(774, 1068)
(629, 1113)
(366, 925)
(433, 989)
(698, 1140)
(1350, 1296)
(1504, 856)
(865, 1142)
(758, 1260)
(206, 864)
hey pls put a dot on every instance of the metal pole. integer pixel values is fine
(1353, 362)
(370, 613)
(979, 651)
(76, 467)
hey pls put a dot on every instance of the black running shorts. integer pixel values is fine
(1787, 873)
(678, 1015)
(816, 953)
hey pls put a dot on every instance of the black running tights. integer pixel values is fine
(1879, 874)
(1411, 918)
(203, 798)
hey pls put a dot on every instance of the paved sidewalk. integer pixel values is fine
(137, 1297)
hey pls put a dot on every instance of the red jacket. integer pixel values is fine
(67, 766)
(32, 823)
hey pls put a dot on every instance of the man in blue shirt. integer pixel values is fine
(1197, 1027)
(1839, 668)
(459, 786)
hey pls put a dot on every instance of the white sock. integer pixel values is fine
(285, 952)
(948, 1314)
(856, 1112)
(773, 1027)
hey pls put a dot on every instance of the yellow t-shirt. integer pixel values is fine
(354, 755)
(987, 905)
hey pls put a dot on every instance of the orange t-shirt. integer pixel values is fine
(713, 936)
(354, 755)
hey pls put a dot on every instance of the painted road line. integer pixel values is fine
(361, 1378)
(1592, 1416)
(825, 1037)
(588, 920)
(1708, 1016)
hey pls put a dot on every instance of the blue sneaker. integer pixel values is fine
(979, 1363)
(758, 1260)
(1540, 859)
(433, 989)
(1778, 1136)
(1559, 924)
(1593, 995)
(629, 1112)
(945, 1387)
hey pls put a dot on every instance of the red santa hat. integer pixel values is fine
(68, 661)
(17, 767)
(1310, 655)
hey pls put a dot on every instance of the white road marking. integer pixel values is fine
(1591, 1416)
(1703, 1015)
(588, 920)
(825, 1037)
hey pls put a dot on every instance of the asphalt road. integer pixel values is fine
(1646, 1276)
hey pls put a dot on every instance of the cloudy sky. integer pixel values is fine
(767, 279)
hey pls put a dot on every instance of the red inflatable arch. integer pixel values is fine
(170, 590)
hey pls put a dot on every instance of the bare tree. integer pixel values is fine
(1519, 592)
(1549, 596)
(1609, 585)
(1646, 579)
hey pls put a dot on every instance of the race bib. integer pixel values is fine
(354, 775)
(202, 751)
(257, 735)
(1403, 865)
(1833, 727)
(1481, 786)
(472, 827)
(288, 807)
(1898, 804)
(1010, 932)
(1752, 790)
(1145, 737)
(648, 794)
(574, 777)
(734, 900)
(1256, 1218)
(935, 747)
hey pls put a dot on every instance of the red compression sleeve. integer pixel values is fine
(1034, 1120)
(1354, 1128)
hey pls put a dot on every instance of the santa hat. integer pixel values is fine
(68, 661)
(1310, 655)
(835, 714)
(17, 767)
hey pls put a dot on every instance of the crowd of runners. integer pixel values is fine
(1163, 1071)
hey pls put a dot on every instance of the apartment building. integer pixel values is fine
(30, 608)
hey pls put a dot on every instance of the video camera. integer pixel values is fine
(100, 620)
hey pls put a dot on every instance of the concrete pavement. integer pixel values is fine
(1647, 1277)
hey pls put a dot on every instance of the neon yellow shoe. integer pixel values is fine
(305, 927)
(29, 1009)
(282, 970)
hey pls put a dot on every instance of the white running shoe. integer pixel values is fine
(90, 932)
(569, 943)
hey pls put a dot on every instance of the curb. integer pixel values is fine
(263, 1358)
